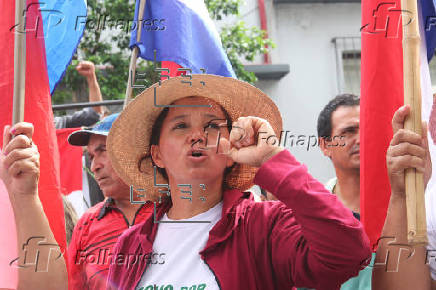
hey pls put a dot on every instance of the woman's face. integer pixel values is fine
(188, 142)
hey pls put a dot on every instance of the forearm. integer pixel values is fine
(400, 271)
(335, 238)
(95, 93)
(49, 271)
(313, 205)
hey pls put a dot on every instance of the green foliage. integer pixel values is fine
(247, 42)
(219, 8)
(239, 42)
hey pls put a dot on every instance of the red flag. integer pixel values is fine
(37, 110)
(70, 162)
(381, 96)
(8, 274)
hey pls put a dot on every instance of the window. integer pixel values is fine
(347, 51)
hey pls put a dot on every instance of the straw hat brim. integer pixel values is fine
(129, 138)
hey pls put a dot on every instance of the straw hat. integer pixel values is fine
(128, 142)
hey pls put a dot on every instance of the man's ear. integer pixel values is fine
(156, 156)
(324, 146)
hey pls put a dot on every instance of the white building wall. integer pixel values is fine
(303, 34)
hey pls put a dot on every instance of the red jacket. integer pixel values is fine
(90, 250)
(309, 239)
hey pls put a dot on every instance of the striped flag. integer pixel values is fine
(182, 32)
(382, 94)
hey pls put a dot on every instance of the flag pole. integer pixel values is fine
(414, 180)
(135, 52)
(19, 62)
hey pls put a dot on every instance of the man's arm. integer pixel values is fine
(406, 150)
(19, 170)
(87, 69)
(87, 116)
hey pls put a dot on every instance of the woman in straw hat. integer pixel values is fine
(197, 142)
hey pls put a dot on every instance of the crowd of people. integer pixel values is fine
(205, 230)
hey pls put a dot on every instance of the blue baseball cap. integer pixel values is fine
(81, 137)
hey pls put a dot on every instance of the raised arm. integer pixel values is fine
(406, 150)
(314, 240)
(87, 69)
(19, 170)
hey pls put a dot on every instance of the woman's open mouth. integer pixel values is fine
(197, 155)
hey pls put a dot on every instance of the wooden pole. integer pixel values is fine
(416, 220)
(19, 62)
(134, 56)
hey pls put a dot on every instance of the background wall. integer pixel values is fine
(303, 34)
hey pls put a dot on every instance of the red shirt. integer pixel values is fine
(90, 250)
(309, 239)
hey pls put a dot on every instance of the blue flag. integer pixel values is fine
(63, 22)
(181, 31)
(429, 23)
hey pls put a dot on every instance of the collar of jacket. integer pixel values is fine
(231, 214)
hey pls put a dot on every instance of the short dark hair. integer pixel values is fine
(325, 117)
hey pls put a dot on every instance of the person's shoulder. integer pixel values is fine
(91, 214)
(83, 226)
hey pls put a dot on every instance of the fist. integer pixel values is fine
(86, 69)
(19, 160)
(252, 141)
(406, 150)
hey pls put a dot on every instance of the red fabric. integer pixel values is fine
(172, 66)
(8, 242)
(37, 109)
(381, 96)
(70, 162)
(91, 245)
(308, 240)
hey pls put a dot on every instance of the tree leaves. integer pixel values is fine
(108, 44)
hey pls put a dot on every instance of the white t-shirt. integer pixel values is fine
(183, 268)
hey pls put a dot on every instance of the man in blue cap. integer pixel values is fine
(89, 253)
